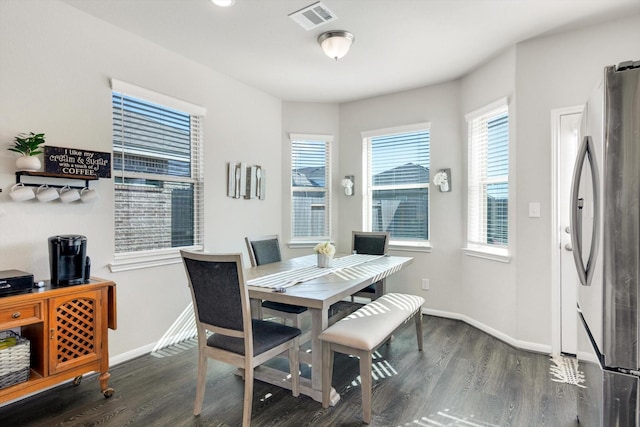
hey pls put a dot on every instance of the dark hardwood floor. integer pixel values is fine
(463, 377)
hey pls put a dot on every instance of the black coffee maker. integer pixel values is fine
(68, 260)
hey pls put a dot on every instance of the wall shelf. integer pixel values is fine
(46, 176)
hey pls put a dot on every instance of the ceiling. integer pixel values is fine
(399, 44)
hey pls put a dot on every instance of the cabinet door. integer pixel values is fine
(75, 334)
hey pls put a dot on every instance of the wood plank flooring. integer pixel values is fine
(463, 377)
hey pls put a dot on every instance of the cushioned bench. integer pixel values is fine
(363, 331)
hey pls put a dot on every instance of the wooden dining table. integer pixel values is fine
(298, 281)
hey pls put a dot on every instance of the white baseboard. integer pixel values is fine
(523, 345)
(132, 354)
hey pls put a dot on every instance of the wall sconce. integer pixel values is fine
(443, 180)
(347, 184)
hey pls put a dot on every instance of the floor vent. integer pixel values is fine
(313, 16)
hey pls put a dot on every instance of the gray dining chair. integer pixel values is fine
(370, 243)
(266, 250)
(226, 331)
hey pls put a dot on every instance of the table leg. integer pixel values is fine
(309, 387)
(256, 308)
(319, 322)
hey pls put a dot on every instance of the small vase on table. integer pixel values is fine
(324, 260)
(325, 252)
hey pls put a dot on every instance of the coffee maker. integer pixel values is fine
(68, 260)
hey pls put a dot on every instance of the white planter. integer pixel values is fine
(325, 260)
(28, 163)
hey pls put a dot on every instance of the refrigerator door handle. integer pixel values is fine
(585, 152)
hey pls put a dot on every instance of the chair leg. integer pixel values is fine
(200, 383)
(365, 378)
(418, 317)
(327, 373)
(294, 367)
(248, 397)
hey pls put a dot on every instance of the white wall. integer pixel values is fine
(488, 289)
(311, 119)
(552, 72)
(439, 105)
(510, 300)
(55, 66)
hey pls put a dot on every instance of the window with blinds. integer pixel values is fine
(310, 188)
(158, 176)
(398, 183)
(488, 186)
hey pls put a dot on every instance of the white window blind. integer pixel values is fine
(398, 182)
(157, 163)
(488, 182)
(310, 188)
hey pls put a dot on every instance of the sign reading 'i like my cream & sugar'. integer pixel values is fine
(77, 162)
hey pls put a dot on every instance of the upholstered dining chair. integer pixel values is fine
(265, 250)
(370, 243)
(222, 310)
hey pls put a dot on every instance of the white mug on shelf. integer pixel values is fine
(88, 195)
(68, 194)
(20, 193)
(46, 193)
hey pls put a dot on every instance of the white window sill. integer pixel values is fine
(407, 246)
(301, 244)
(493, 254)
(147, 259)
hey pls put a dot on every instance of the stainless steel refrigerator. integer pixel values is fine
(605, 234)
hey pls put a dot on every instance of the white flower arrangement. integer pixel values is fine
(440, 178)
(325, 248)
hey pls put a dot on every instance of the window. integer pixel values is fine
(157, 171)
(310, 187)
(398, 182)
(488, 186)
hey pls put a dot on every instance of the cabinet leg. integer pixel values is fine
(104, 385)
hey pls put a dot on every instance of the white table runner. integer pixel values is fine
(291, 277)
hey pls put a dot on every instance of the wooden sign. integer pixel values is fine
(77, 162)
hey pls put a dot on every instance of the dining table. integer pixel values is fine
(299, 281)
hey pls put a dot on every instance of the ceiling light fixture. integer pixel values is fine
(336, 44)
(224, 3)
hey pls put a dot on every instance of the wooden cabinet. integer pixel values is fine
(68, 331)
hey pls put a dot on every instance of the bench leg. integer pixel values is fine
(365, 378)
(418, 317)
(327, 373)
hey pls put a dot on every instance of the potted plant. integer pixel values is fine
(29, 146)
(325, 253)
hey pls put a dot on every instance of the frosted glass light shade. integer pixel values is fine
(223, 3)
(336, 44)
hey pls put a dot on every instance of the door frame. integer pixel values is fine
(556, 282)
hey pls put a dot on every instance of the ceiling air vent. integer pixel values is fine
(313, 16)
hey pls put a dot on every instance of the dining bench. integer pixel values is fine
(361, 333)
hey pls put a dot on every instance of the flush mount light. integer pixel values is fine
(223, 3)
(336, 44)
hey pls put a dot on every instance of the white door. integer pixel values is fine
(569, 137)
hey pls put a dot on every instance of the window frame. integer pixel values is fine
(310, 241)
(123, 261)
(422, 245)
(474, 246)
